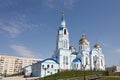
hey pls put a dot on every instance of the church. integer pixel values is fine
(66, 57)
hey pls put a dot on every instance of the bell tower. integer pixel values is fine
(63, 35)
(62, 52)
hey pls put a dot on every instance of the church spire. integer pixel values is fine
(83, 35)
(63, 35)
(63, 24)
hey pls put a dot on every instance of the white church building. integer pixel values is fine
(66, 57)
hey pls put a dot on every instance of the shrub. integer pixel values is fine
(106, 73)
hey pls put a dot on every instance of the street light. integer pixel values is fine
(84, 66)
(55, 74)
(45, 68)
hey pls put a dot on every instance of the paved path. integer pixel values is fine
(19, 78)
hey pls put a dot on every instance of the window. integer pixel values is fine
(51, 66)
(66, 60)
(51, 73)
(48, 66)
(74, 65)
(63, 59)
(86, 61)
(65, 43)
(42, 66)
(47, 71)
(77, 65)
(65, 31)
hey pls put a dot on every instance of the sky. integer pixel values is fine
(28, 28)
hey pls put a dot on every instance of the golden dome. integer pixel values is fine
(97, 46)
(83, 40)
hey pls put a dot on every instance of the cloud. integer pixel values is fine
(22, 50)
(69, 3)
(17, 25)
(61, 3)
(117, 50)
(12, 29)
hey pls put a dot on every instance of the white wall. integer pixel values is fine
(41, 69)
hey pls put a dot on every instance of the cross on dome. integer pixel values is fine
(63, 24)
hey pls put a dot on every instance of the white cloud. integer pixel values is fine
(61, 3)
(22, 51)
(12, 29)
(117, 50)
(17, 25)
(69, 3)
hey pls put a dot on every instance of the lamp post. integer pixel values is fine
(84, 66)
(45, 68)
(55, 74)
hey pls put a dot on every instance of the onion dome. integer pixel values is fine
(83, 40)
(97, 45)
(76, 60)
(71, 47)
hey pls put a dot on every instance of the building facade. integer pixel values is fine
(27, 71)
(113, 69)
(45, 67)
(66, 57)
(12, 64)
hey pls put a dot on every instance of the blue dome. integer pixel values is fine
(55, 57)
(61, 28)
(50, 59)
(76, 60)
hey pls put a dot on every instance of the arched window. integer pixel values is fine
(77, 65)
(86, 60)
(74, 66)
(65, 43)
(42, 66)
(48, 66)
(63, 59)
(65, 31)
(51, 66)
(66, 60)
(95, 58)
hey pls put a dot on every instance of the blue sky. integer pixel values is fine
(28, 28)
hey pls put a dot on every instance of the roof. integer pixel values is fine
(71, 47)
(83, 40)
(97, 45)
(76, 60)
(61, 28)
(27, 66)
(49, 59)
(75, 53)
(55, 57)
